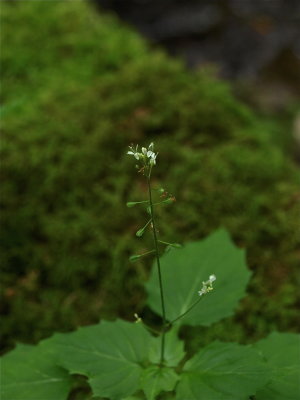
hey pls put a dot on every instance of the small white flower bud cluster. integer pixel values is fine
(138, 319)
(207, 286)
(147, 156)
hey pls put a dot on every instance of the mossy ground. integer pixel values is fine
(78, 88)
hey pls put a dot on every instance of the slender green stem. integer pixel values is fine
(187, 311)
(135, 257)
(177, 245)
(147, 252)
(151, 329)
(163, 242)
(161, 202)
(159, 272)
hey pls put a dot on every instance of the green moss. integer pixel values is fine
(78, 88)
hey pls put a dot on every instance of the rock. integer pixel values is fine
(242, 37)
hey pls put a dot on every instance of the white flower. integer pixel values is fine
(147, 156)
(207, 286)
(149, 153)
(134, 152)
(152, 158)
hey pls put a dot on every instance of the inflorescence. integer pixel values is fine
(146, 156)
(207, 286)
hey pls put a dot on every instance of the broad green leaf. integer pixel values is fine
(183, 272)
(113, 355)
(174, 349)
(222, 371)
(156, 379)
(31, 373)
(110, 354)
(282, 352)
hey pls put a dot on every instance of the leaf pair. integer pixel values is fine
(118, 358)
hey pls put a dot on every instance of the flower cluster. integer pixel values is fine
(147, 156)
(207, 286)
(138, 319)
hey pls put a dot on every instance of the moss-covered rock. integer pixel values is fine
(78, 88)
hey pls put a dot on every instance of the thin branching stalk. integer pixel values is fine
(151, 329)
(147, 159)
(159, 271)
(186, 312)
(206, 288)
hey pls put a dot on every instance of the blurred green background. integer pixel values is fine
(78, 87)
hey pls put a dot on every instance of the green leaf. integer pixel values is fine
(31, 373)
(116, 358)
(113, 355)
(282, 352)
(174, 349)
(183, 272)
(156, 379)
(222, 371)
(132, 398)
